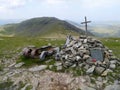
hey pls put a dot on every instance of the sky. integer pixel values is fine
(74, 10)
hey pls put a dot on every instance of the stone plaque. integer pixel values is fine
(97, 54)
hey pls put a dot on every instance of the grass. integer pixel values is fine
(113, 44)
(5, 85)
(10, 46)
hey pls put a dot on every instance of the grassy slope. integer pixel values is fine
(113, 44)
(10, 45)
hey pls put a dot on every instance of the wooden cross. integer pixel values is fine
(85, 25)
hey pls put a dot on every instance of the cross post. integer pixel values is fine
(85, 25)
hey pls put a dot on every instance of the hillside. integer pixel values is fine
(102, 29)
(44, 27)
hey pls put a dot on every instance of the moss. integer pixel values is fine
(21, 85)
(53, 69)
(29, 87)
(78, 89)
(93, 81)
(5, 85)
(1, 67)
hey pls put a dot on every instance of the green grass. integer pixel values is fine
(10, 46)
(113, 44)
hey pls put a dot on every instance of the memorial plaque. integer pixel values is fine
(97, 54)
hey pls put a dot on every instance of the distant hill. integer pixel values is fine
(45, 27)
(106, 29)
(102, 29)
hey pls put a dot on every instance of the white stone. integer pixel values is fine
(113, 62)
(59, 68)
(90, 70)
(38, 68)
(12, 65)
(112, 66)
(74, 65)
(78, 58)
(58, 64)
(85, 41)
(110, 51)
(86, 56)
(19, 64)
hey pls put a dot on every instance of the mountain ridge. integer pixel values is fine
(42, 26)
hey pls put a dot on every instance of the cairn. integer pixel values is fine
(89, 54)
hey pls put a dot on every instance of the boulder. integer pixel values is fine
(99, 70)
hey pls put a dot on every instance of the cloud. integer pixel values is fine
(98, 3)
(11, 4)
(55, 1)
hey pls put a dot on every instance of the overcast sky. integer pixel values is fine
(75, 10)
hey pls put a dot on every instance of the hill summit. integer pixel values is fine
(43, 26)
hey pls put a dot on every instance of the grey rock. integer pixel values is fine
(112, 66)
(67, 40)
(106, 60)
(110, 51)
(99, 70)
(99, 79)
(89, 61)
(90, 70)
(59, 68)
(113, 61)
(38, 68)
(113, 87)
(104, 73)
(78, 58)
(79, 44)
(12, 65)
(67, 64)
(58, 64)
(85, 87)
(82, 47)
(85, 41)
(73, 51)
(86, 56)
(74, 65)
(19, 64)
(86, 67)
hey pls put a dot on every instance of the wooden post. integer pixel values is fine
(85, 25)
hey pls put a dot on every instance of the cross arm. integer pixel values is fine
(85, 22)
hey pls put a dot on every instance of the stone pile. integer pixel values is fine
(89, 54)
